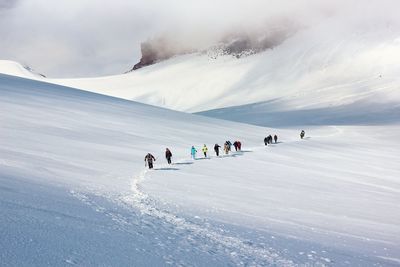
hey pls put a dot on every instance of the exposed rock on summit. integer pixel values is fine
(237, 44)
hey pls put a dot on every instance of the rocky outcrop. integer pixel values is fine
(244, 44)
(236, 44)
(156, 50)
(150, 55)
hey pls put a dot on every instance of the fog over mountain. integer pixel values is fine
(93, 38)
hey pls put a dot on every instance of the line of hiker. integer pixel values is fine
(149, 158)
(268, 139)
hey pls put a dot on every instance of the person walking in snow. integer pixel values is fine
(275, 138)
(193, 152)
(168, 155)
(236, 145)
(148, 159)
(302, 134)
(229, 145)
(266, 141)
(239, 145)
(216, 149)
(269, 139)
(205, 149)
(226, 148)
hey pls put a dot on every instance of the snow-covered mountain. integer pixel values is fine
(350, 68)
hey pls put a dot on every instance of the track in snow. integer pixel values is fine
(242, 252)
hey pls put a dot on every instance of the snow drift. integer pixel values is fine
(74, 188)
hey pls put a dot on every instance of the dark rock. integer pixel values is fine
(237, 44)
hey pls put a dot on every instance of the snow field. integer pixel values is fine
(67, 162)
(74, 190)
(317, 189)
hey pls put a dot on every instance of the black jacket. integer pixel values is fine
(149, 158)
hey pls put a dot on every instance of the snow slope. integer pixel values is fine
(339, 188)
(16, 69)
(341, 64)
(362, 112)
(74, 189)
(68, 160)
(309, 75)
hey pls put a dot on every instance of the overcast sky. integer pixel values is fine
(76, 38)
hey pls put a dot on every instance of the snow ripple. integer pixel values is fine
(241, 252)
(206, 237)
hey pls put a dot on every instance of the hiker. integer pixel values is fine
(216, 149)
(269, 139)
(235, 145)
(193, 152)
(275, 138)
(239, 145)
(205, 149)
(168, 155)
(149, 160)
(229, 144)
(226, 148)
(302, 134)
(266, 141)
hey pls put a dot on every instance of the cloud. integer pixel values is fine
(6, 4)
(70, 38)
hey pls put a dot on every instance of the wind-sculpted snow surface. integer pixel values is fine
(74, 191)
(267, 114)
(338, 188)
(241, 250)
(68, 158)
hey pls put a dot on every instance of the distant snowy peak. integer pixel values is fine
(236, 44)
(16, 69)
